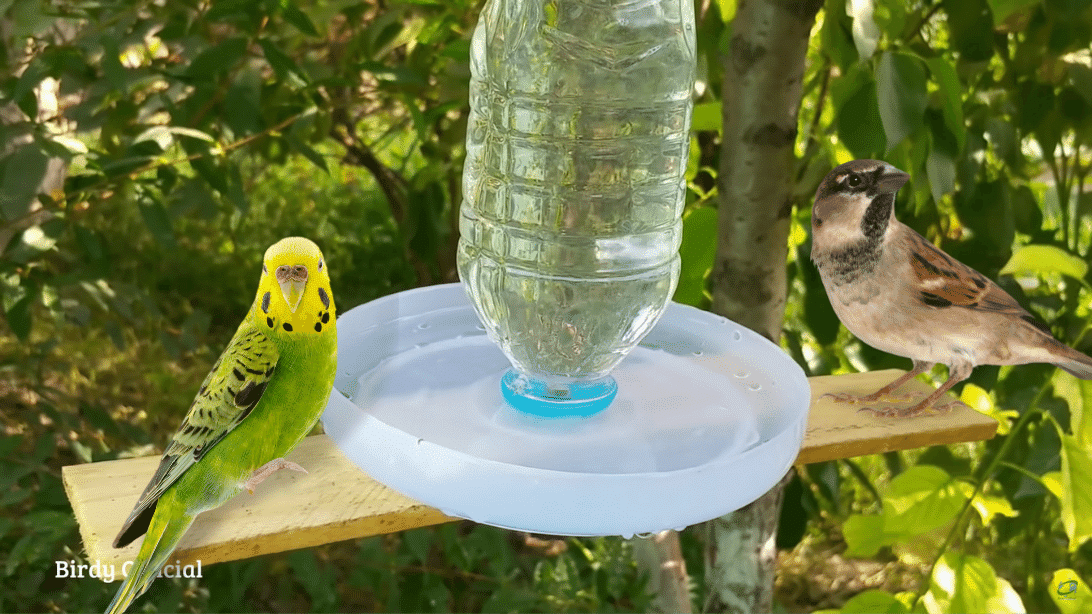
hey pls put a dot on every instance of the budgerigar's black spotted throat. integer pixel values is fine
(322, 318)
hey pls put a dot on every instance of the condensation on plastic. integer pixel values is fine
(709, 416)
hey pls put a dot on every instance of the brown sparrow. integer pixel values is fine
(897, 292)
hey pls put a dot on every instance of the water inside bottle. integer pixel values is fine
(573, 186)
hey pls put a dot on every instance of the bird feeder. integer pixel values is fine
(557, 390)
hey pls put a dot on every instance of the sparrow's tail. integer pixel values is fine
(1073, 362)
(168, 525)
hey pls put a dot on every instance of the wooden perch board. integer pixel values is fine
(336, 501)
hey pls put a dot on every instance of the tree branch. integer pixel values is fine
(357, 152)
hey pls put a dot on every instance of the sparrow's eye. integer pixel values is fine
(854, 180)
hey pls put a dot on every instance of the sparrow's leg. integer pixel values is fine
(956, 373)
(919, 368)
(268, 469)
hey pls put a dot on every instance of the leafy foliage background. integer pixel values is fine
(195, 133)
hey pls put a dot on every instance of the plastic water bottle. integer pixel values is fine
(574, 186)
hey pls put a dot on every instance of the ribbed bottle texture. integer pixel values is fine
(573, 186)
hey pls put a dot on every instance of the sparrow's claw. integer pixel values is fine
(842, 397)
(947, 407)
(894, 411)
(854, 399)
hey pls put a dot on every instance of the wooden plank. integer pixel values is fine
(336, 501)
(841, 430)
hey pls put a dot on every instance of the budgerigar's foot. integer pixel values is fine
(268, 469)
(855, 399)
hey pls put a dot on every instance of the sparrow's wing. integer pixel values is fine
(229, 393)
(943, 281)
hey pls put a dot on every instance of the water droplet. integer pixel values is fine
(754, 386)
(420, 441)
(423, 325)
(738, 336)
(627, 535)
(646, 535)
(698, 352)
(742, 374)
(480, 327)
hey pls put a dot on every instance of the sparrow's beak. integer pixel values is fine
(293, 281)
(892, 179)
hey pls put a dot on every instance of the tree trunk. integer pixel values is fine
(38, 173)
(763, 75)
(660, 556)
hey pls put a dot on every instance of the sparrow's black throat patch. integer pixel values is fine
(877, 216)
(851, 262)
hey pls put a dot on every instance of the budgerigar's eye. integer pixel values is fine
(320, 265)
(265, 271)
(854, 180)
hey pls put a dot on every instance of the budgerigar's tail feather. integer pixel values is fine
(164, 533)
(1074, 362)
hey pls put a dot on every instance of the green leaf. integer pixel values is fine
(307, 151)
(859, 125)
(951, 94)
(693, 160)
(1081, 78)
(206, 168)
(243, 103)
(707, 117)
(298, 18)
(1002, 9)
(978, 399)
(1052, 480)
(1070, 593)
(1077, 394)
(193, 195)
(989, 506)
(699, 245)
(902, 95)
(18, 317)
(727, 9)
(865, 535)
(921, 499)
(866, 34)
(970, 28)
(1076, 495)
(1039, 259)
(940, 168)
(23, 172)
(112, 68)
(190, 132)
(873, 601)
(282, 64)
(965, 583)
(158, 223)
(218, 59)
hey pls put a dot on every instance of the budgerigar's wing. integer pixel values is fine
(229, 393)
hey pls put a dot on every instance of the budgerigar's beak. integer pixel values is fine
(293, 281)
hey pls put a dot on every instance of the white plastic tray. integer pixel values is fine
(709, 416)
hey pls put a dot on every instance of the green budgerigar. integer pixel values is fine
(264, 394)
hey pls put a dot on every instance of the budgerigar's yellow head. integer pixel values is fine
(294, 295)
